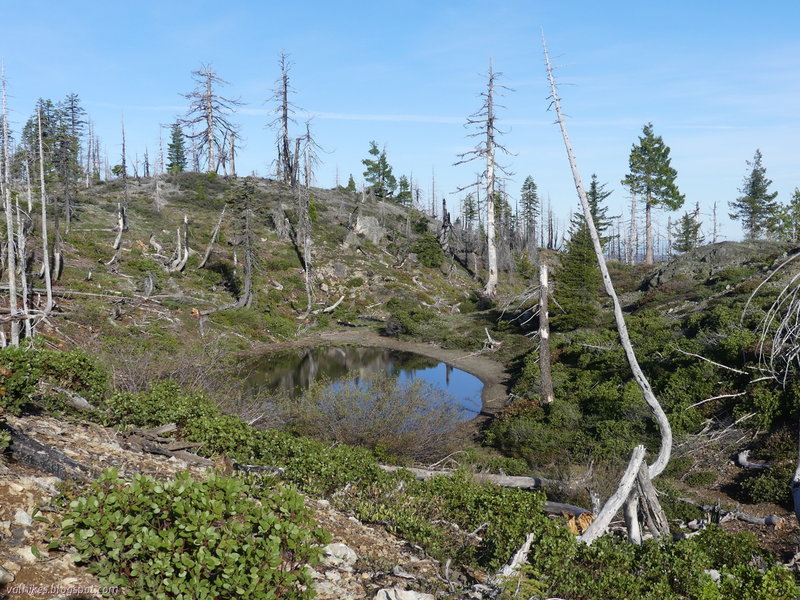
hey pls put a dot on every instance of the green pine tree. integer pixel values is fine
(756, 207)
(652, 180)
(404, 196)
(687, 233)
(351, 184)
(378, 174)
(176, 150)
(471, 211)
(578, 280)
(529, 209)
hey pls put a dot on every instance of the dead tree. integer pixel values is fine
(209, 114)
(48, 282)
(214, 235)
(10, 244)
(181, 257)
(288, 160)
(779, 345)
(546, 377)
(23, 227)
(244, 240)
(304, 242)
(125, 191)
(484, 120)
(663, 423)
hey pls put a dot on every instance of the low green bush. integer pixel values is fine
(428, 250)
(612, 567)
(769, 485)
(701, 478)
(218, 538)
(22, 369)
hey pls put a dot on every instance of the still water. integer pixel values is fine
(292, 371)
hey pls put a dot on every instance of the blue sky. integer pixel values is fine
(718, 80)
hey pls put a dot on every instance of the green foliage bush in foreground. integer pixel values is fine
(425, 512)
(614, 568)
(219, 538)
(21, 371)
(186, 538)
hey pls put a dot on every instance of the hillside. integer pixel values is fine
(153, 348)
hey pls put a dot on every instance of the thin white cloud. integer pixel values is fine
(129, 107)
(386, 118)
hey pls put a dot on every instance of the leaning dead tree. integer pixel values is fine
(661, 418)
(209, 115)
(485, 122)
(242, 239)
(779, 346)
(214, 235)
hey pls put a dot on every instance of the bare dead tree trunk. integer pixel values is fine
(304, 233)
(661, 418)
(182, 248)
(120, 226)
(630, 511)
(22, 238)
(11, 248)
(48, 282)
(600, 525)
(485, 118)
(546, 377)
(633, 241)
(490, 289)
(287, 160)
(213, 238)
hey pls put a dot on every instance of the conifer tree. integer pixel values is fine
(756, 207)
(351, 184)
(403, 191)
(529, 208)
(687, 233)
(378, 173)
(652, 180)
(578, 280)
(787, 223)
(176, 150)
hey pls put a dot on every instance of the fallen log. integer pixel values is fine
(71, 398)
(27, 451)
(724, 515)
(508, 481)
(742, 459)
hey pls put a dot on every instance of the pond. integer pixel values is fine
(290, 372)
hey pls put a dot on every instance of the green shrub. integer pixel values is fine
(769, 485)
(280, 263)
(354, 282)
(701, 478)
(219, 538)
(614, 568)
(5, 437)
(164, 403)
(407, 316)
(22, 369)
(429, 251)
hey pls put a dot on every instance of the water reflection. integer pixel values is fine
(291, 372)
